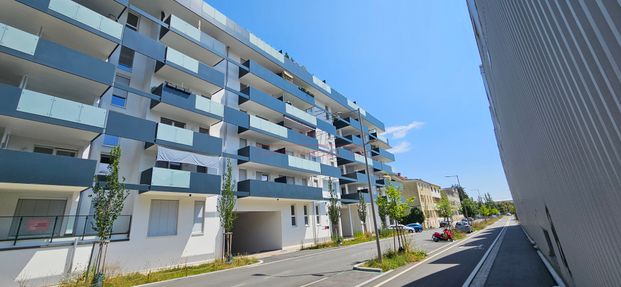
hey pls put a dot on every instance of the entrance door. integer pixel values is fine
(38, 217)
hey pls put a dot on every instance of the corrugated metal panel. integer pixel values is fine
(553, 76)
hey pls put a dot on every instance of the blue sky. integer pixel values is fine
(412, 64)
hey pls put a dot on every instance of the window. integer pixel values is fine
(173, 123)
(55, 151)
(262, 176)
(45, 150)
(126, 59)
(242, 174)
(199, 217)
(119, 97)
(64, 152)
(306, 215)
(201, 169)
(317, 217)
(293, 222)
(243, 143)
(263, 146)
(105, 158)
(174, 165)
(305, 182)
(203, 130)
(132, 21)
(109, 140)
(163, 217)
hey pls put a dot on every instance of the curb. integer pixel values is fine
(359, 267)
(202, 274)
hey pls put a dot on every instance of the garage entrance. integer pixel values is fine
(257, 231)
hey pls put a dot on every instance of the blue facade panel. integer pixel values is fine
(257, 188)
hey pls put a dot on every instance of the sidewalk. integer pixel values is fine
(516, 263)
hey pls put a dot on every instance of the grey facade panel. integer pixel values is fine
(130, 127)
(144, 45)
(257, 188)
(551, 72)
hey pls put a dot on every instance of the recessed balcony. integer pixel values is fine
(187, 140)
(171, 180)
(192, 41)
(275, 134)
(65, 22)
(189, 73)
(382, 155)
(186, 106)
(273, 161)
(270, 189)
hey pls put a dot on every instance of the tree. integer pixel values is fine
(108, 201)
(445, 209)
(334, 213)
(226, 205)
(396, 209)
(382, 205)
(362, 211)
(460, 190)
(416, 215)
(469, 207)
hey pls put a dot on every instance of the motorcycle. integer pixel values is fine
(447, 235)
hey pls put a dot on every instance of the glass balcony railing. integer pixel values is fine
(181, 59)
(300, 114)
(382, 138)
(170, 178)
(303, 163)
(322, 85)
(17, 39)
(207, 105)
(175, 134)
(196, 34)
(268, 126)
(87, 17)
(356, 107)
(53, 107)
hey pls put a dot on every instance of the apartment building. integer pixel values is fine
(182, 89)
(426, 195)
(551, 73)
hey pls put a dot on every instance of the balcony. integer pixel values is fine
(187, 140)
(353, 198)
(275, 134)
(382, 155)
(351, 142)
(32, 170)
(284, 164)
(171, 180)
(259, 77)
(352, 159)
(348, 125)
(378, 140)
(192, 41)
(50, 231)
(65, 22)
(190, 73)
(186, 106)
(355, 179)
(31, 113)
(275, 109)
(51, 68)
(270, 189)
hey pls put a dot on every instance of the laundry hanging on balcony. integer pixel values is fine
(173, 155)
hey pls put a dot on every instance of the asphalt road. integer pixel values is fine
(448, 267)
(323, 267)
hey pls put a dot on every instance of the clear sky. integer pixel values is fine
(413, 64)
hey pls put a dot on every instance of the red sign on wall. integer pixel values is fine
(38, 224)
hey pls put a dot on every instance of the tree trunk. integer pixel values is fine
(228, 238)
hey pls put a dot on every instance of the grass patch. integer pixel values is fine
(483, 223)
(458, 235)
(392, 259)
(359, 237)
(133, 279)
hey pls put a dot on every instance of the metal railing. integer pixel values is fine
(50, 228)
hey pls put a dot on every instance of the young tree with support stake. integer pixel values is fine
(362, 211)
(445, 209)
(226, 205)
(108, 201)
(334, 213)
(396, 208)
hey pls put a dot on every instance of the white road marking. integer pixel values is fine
(489, 249)
(316, 281)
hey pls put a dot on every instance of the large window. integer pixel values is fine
(132, 21)
(119, 97)
(293, 219)
(126, 59)
(163, 217)
(173, 123)
(199, 217)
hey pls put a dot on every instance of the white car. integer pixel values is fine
(401, 226)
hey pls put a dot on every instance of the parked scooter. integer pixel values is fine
(446, 235)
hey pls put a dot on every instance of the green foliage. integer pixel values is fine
(392, 259)
(469, 207)
(416, 215)
(227, 200)
(109, 198)
(382, 209)
(460, 190)
(334, 212)
(395, 207)
(133, 279)
(362, 210)
(445, 209)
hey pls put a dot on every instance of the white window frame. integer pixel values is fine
(294, 221)
(306, 219)
(199, 218)
(317, 215)
(151, 233)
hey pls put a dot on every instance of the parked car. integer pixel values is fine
(463, 226)
(508, 214)
(401, 226)
(416, 226)
(444, 224)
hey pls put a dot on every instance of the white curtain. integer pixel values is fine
(167, 154)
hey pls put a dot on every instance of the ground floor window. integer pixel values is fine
(35, 217)
(317, 217)
(199, 217)
(163, 217)
(306, 215)
(293, 219)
